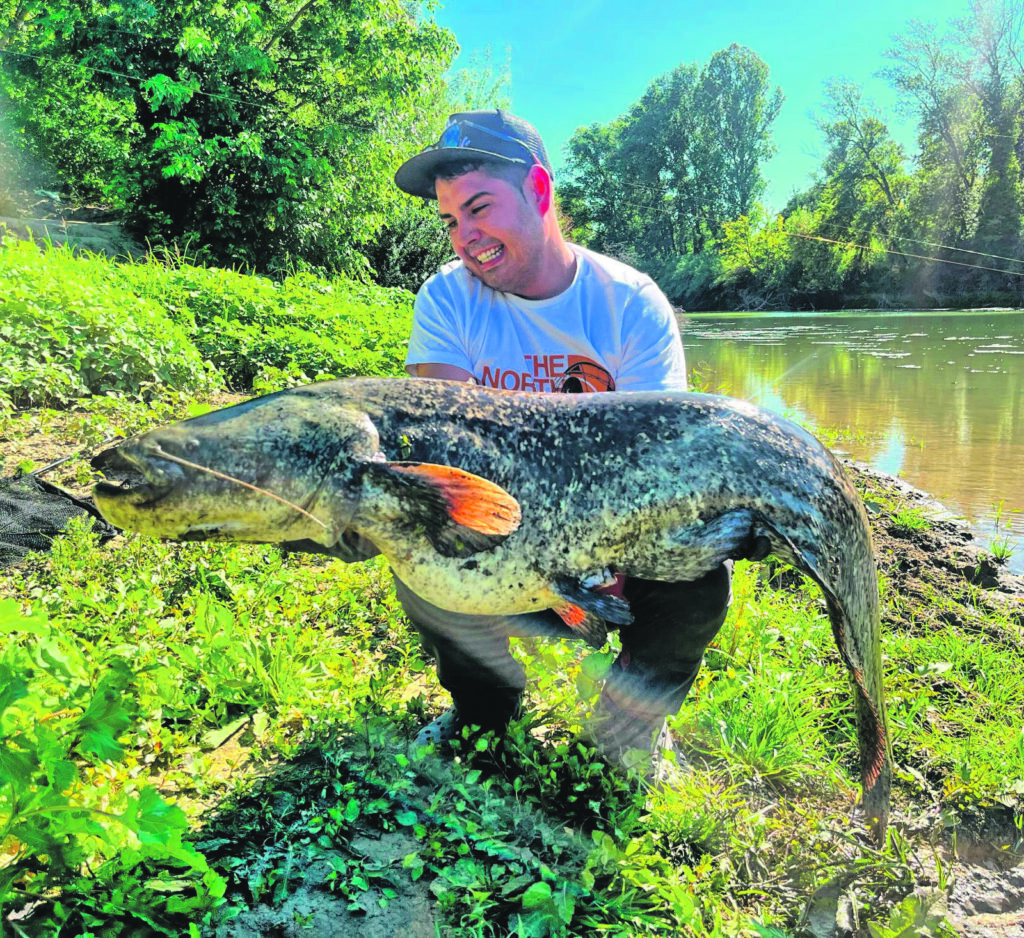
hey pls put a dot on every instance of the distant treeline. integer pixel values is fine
(265, 137)
(673, 185)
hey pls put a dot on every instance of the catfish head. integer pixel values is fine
(278, 468)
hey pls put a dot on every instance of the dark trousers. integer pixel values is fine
(662, 651)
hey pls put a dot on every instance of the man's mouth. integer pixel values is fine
(490, 255)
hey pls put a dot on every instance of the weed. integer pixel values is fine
(908, 519)
(1002, 545)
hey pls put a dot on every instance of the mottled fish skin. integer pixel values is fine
(658, 485)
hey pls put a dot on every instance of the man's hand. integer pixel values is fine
(444, 372)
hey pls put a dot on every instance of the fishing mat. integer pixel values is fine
(34, 512)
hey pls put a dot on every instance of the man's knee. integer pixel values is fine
(675, 622)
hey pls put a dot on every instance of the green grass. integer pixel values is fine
(288, 652)
(908, 519)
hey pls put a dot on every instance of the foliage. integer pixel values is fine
(674, 182)
(258, 331)
(79, 131)
(481, 84)
(755, 252)
(66, 707)
(410, 247)
(264, 137)
(70, 328)
(76, 325)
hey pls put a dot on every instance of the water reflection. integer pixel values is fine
(935, 398)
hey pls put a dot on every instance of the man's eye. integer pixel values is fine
(477, 209)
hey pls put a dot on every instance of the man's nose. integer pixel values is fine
(468, 235)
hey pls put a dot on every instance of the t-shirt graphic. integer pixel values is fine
(584, 375)
(558, 373)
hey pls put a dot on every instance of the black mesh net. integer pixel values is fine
(34, 512)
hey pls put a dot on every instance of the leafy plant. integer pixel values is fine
(64, 714)
(69, 329)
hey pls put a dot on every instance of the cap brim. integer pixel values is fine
(416, 175)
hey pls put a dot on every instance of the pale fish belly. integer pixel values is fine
(499, 586)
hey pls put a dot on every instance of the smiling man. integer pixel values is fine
(523, 309)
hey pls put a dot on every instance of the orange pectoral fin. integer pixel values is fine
(588, 626)
(473, 502)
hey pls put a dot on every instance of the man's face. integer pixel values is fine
(496, 230)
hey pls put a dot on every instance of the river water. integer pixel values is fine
(935, 398)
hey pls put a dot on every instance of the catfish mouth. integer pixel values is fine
(140, 480)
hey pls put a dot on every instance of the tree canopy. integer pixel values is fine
(262, 134)
(265, 133)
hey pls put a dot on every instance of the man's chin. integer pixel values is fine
(492, 279)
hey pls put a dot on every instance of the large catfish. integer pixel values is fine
(497, 502)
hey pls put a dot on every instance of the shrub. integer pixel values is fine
(69, 329)
(254, 330)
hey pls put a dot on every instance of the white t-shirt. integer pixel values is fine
(612, 329)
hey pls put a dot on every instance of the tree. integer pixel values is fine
(263, 135)
(967, 88)
(998, 82)
(736, 109)
(862, 194)
(481, 85)
(663, 180)
(596, 195)
(755, 255)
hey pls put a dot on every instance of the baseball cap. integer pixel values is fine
(486, 135)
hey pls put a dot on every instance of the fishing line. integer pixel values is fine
(248, 485)
(920, 257)
(936, 244)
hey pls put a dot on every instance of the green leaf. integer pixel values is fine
(538, 896)
(13, 687)
(13, 620)
(153, 819)
(105, 718)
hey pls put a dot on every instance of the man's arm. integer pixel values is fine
(653, 356)
(438, 370)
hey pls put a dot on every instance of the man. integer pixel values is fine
(523, 309)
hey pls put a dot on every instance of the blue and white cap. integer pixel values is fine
(486, 135)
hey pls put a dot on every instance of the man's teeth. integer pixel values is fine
(487, 256)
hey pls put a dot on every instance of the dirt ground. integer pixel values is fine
(987, 898)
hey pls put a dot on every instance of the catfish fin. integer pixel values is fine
(586, 611)
(687, 552)
(461, 513)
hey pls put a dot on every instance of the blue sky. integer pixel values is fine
(584, 61)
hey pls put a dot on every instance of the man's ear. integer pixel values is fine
(538, 188)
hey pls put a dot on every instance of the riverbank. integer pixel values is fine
(276, 697)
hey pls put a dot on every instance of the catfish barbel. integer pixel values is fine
(499, 503)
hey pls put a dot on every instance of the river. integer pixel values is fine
(936, 398)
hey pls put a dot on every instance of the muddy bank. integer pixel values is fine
(941, 557)
(985, 855)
